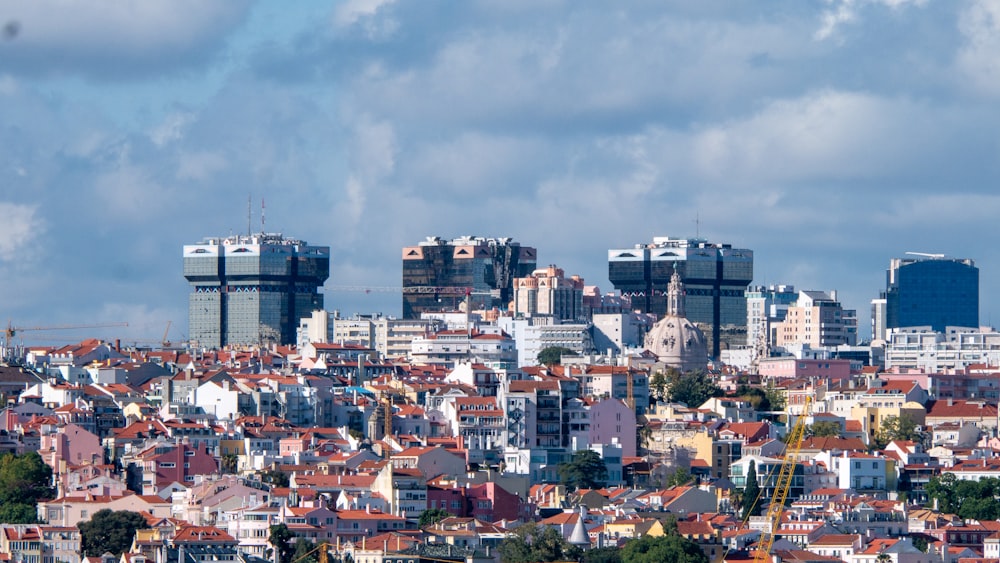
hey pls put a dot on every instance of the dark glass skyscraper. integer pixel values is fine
(715, 277)
(932, 290)
(252, 289)
(437, 273)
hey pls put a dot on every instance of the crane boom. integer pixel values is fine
(14, 330)
(777, 505)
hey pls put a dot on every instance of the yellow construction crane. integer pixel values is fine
(785, 475)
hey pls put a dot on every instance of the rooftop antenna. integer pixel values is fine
(697, 225)
(249, 213)
(262, 215)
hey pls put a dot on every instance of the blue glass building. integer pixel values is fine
(932, 290)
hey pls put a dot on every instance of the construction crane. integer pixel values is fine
(784, 483)
(13, 331)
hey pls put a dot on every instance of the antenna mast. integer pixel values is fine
(249, 213)
(262, 215)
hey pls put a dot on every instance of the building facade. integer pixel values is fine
(932, 290)
(548, 292)
(716, 277)
(817, 319)
(252, 289)
(437, 274)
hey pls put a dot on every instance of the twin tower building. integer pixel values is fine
(254, 289)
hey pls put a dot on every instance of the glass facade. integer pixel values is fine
(715, 278)
(436, 273)
(252, 289)
(936, 292)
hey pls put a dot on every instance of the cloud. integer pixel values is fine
(119, 38)
(20, 227)
(843, 12)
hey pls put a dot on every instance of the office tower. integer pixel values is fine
(932, 290)
(548, 292)
(715, 278)
(253, 289)
(437, 273)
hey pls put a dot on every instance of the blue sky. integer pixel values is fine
(828, 136)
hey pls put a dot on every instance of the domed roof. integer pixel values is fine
(675, 340)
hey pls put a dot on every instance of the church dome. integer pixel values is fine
(675, 340)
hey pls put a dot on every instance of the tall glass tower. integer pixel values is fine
(437, 273)
(248, 290)
(715, 277)
(932, 290)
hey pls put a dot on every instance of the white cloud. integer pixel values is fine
(76, 35)
(979, 57)
(19, 227)
(171, 128)
(368, 14)
(843, 12)
(200, 166)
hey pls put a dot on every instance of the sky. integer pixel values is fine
(828, 136)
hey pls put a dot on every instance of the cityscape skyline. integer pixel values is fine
(829, 138)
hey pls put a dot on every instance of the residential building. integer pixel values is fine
(252, 289)
(548, 292)
(437, 274)
(817, 319)
(716, 277)
(932, 290)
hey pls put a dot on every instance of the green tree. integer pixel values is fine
(432, 516)
(825, 428)
(281, 538)
(775, 397)
(586, 470)
(755, 396)
(230, 463)
(751, 493)
(303, 549)
(658, 385)
(901, 427)
(531, 543)
(691, 388)
(602, 555)
(552, 356)
(673, 548)
(680, 477)
(275, 478)
(24, 480)
(109, 531)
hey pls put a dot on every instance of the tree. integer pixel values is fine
(552, 356)
(585, 471)
(302, 554)
(281, 539)
(230, 463)
(658, 385)
(531, 543)
(109, 531)
(751, 492)
(275, 478)
(24, 480)
(691, 388)
(901, 427)
(602, 555)
(671, 547)
(755, 396)
(825, 428)
(775, 397)
(680, 477)
(432, 516)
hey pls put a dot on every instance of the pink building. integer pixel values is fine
(792, 368)
(71, 444)
(162, 466)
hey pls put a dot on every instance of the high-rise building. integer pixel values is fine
(932, 290)
(765, 307)
(817, 319)
(715, 277)
(548, 292)
(438, 273)
(252, 289)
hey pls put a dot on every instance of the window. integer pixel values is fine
(167, 465)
